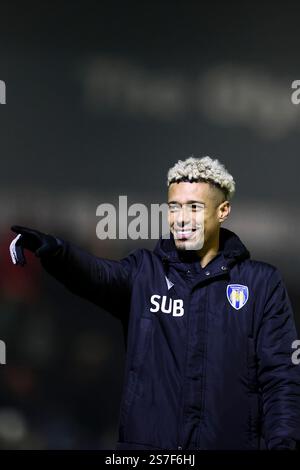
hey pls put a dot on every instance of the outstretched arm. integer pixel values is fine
(104, 282)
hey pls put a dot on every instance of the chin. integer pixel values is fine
(188, 245)
(180, 245)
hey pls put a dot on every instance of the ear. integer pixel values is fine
(224, 211)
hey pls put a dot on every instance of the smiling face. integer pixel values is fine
(196, 210)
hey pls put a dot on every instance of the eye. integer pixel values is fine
(196, 207)
(174, 207)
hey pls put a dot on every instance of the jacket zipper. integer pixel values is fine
(180, 432)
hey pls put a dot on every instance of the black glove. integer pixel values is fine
(39, 243)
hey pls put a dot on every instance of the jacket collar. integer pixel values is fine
(231, 248)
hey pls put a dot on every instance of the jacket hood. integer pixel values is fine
(230, 246)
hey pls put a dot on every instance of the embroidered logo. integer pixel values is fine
(237, 295)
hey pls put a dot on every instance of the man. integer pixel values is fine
(208, 330)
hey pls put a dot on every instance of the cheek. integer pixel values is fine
(206, 219)
(209, 221)
(198, 219)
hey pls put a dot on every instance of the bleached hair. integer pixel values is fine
(203, 169)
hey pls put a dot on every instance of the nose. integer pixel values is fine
(183, 217)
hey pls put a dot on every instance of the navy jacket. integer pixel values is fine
(208, 350)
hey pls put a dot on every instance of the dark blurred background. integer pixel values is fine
(101, 99)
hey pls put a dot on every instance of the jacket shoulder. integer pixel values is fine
(262, 269)
(136, 257)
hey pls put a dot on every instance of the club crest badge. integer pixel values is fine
(237, 295)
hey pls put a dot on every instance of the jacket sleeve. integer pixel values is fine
(279, 378)
(106, 283)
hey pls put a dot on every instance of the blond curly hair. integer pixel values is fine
(205, 169)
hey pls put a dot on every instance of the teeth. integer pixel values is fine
(185, 232)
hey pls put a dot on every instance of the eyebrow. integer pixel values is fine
(188, 202)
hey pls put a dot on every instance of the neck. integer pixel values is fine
(209, 250)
